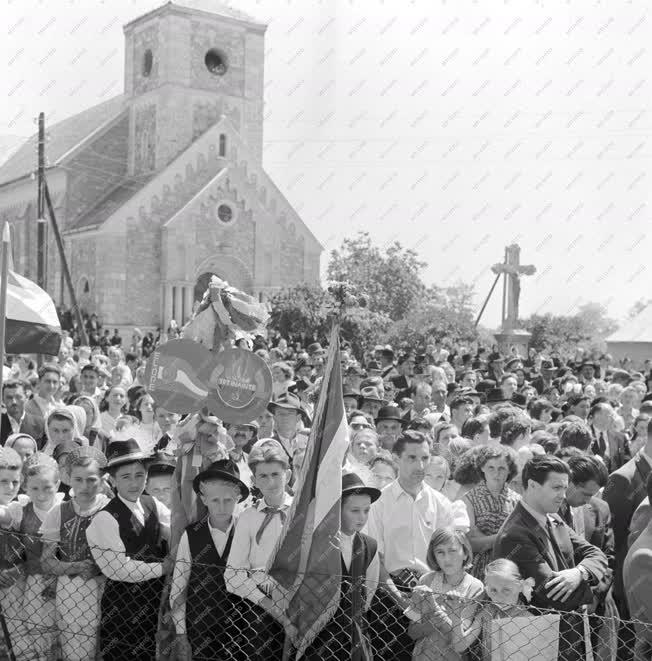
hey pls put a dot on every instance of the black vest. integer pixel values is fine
(142, 541)
(217, 622)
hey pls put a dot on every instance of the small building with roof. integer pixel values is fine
(633, 339)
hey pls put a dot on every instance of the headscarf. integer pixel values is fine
(95, 423)
(11, 441)
(76, 415)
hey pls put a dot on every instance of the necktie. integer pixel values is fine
(566, 513)
(602, 446)
(270, 513)
(559, 558)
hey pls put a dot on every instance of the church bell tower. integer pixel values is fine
(186, 65)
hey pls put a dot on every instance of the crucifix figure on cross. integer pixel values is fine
(512, 270)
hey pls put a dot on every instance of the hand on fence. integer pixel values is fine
(182, 649)
(9, 576)
(563, 584)
(88, 569)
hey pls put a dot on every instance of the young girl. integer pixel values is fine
(61, 427)
(441, 595)
(41, 483)
(506, 595)
(24, 444)
(112, 406)
(66, 554)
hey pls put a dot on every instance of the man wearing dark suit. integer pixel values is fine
(16, 419)
(607, 442)
(641, 517)
(624, 492)
(564, 567)
(637, 578)
(590, 518)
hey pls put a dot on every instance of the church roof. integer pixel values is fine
(209, 6)
(61, 137)
(110, 203)
(638, 329)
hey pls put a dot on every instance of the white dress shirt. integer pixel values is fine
(108, 549)
(181, 576)
(403, 525)
(15, 424)
(248, 559)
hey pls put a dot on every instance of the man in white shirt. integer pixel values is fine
(402, 521)
(43, 402)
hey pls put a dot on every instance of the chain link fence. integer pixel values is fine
(192, 615)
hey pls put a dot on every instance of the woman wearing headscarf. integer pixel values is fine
(63, 425)
(24, 444)
(93, 428)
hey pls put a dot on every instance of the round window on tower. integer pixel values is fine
(148, 60)
(225, 212)
(216, 62)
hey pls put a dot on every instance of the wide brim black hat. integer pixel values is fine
(352, 485)
(224, 469)
(390, 413)
(126, 452)
(496, 395)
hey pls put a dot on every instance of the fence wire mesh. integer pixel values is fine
(203, 611)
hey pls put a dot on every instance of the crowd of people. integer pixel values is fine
(478, 488)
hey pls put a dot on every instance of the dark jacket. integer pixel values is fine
(524, 541)
(624, 492)
(31, 425)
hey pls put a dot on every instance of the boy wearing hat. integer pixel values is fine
(256, 533)
(129, 541)
(160, 477)
(344, 635)
(242, 436)
(210, 622)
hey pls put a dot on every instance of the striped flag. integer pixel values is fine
(32, 324)
(306, 563)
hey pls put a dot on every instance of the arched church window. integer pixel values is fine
(148, 60)
(216, 62)
(222, 150)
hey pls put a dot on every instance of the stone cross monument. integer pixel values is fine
(510, 336)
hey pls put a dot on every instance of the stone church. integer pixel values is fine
(158, 188)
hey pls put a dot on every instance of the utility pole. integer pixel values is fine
(40, 205)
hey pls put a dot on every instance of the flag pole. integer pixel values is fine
(3, 295)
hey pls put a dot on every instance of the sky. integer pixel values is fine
(456, 127)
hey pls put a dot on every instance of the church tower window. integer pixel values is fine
(222, 149)
(215, 61)
(225, 213)
(148, 60)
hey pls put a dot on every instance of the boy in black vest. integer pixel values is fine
(133, 531)
(210, 622)
(344, 637)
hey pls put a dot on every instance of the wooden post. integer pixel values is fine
(64, 267)
(3, 295)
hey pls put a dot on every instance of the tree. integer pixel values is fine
(298, 311)
(390, 279)
(442, 312)
(302, 312)
(587, 328)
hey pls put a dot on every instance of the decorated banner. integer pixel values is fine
(184, 376)
(240, 386)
